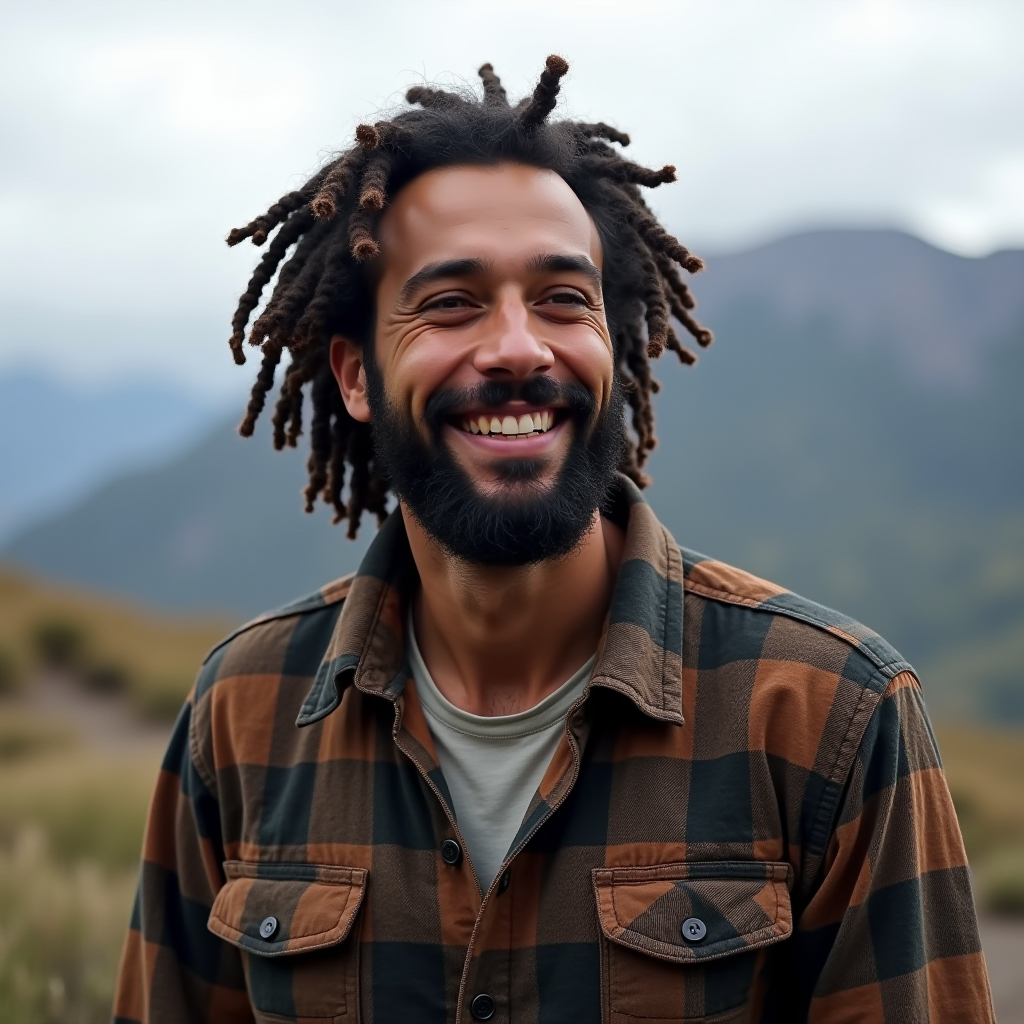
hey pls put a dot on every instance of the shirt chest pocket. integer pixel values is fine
(294, 923)
(685, 942)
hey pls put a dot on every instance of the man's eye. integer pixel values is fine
(566, 299)
(447, 302)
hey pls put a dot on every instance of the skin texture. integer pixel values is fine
(496, 640)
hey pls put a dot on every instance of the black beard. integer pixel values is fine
(524, 525)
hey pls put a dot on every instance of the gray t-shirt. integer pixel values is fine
(493, 765)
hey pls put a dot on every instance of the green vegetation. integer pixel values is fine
(11, 675)
(107, 645)
(58, 643)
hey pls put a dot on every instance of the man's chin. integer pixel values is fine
(516, 480)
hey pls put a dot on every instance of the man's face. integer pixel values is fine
(492, 388)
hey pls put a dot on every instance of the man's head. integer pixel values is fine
(474, 295)
(491, 380)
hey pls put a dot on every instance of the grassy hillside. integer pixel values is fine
(71, 812)
(109, 645)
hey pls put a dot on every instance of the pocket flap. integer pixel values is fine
(736, 904)
(277, 909)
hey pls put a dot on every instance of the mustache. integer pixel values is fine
(489, 394)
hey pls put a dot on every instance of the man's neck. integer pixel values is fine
(498, 640)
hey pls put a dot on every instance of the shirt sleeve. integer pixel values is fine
(891, 934)
(173, 969)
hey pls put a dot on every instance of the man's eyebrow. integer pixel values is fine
(436, 271)
(555, 262)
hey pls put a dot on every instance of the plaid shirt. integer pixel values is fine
(745, 820)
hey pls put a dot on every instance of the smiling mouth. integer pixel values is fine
(528, 424)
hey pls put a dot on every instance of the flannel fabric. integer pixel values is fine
(745, 820)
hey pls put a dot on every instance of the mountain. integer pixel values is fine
(218, 528)
(939, 313)
(854, 434)
(58, 441)
(827, 470)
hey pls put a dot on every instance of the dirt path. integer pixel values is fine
(1003, 942)
(105, 723)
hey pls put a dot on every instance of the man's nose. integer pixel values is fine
(511, 345)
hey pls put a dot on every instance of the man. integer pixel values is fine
(533, 762)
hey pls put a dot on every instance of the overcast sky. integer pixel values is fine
(134, 135)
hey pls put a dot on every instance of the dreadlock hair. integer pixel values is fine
(324, 288)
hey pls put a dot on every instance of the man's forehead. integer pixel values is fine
(497, 214)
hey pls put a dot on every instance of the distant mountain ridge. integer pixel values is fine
(220, 527)
(829, 441)
(940, 312)
(57, 441)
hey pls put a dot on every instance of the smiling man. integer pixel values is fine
(533, 761)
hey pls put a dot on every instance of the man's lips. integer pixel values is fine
(507, 423)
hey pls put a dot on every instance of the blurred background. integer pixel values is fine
(853, 173)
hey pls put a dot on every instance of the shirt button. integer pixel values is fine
(451, 852)
(267, 927)
(482, 1007)
(505, 881)
(694, 929)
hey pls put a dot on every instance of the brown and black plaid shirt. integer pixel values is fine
(746, 820)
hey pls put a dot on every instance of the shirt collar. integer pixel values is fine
(639, 655)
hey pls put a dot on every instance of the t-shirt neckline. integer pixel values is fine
(552, 709)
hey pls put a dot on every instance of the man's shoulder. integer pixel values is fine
(290, 639)
(757, 617)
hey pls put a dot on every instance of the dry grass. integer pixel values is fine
(61, 929)
(70, 830)
(985, 769)
(89, 807)
(154, 657)
(23, 735)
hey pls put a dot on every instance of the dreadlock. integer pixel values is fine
(323, 288)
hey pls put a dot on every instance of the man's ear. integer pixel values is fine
(349, 372)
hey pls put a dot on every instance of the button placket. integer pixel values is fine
(560, 793)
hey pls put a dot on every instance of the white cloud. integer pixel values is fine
(136, 135)
(991, 205)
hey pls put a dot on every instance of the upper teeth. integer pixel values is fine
(509, 425)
